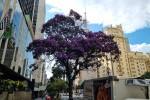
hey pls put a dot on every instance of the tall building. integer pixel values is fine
(32, 8)
(27, 7)
(137, 63)
(147, 62)
(39, 18)
(35, 11)
(121, 67)
(13, 49)
(37, 22)
(130, 64)
(26, 18)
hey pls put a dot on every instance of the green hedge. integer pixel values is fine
(10, 85)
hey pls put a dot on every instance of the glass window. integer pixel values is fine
(2, 3)
(24, 40)
(29, 54)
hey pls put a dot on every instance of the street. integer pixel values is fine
(64, 97)
(75, 97)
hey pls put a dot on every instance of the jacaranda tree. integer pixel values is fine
(72, 47)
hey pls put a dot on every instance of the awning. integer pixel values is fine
(8, 73)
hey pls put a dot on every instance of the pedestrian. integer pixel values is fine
(48, 97)
(44, 97)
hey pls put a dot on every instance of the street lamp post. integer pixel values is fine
(112, 65)
(108, 70)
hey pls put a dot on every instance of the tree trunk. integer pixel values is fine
(70, 90)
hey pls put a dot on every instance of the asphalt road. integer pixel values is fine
(64, 97)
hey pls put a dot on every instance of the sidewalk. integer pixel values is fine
(39, 99)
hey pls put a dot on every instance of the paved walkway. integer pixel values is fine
(38, 99)
(66, 98)
(75, 97)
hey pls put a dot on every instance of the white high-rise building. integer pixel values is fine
(37, 22)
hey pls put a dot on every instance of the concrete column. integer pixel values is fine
(4, 52)
(12, 63)
(6, 8)
(1, 38)
(18, 62)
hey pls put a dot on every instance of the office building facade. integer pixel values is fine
(37, 22)
(130, 64)
(13, 49)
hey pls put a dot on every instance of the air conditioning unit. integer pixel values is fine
(139, 82)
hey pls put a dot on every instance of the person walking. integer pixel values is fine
(48, 97)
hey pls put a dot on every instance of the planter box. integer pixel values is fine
(19, 95)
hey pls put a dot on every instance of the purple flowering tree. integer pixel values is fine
(71, 47)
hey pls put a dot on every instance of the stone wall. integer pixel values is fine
(20, 95)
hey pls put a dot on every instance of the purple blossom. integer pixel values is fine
(69, 43)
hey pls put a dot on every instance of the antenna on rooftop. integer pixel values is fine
(85, 19)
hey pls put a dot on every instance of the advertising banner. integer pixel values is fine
(102, 90)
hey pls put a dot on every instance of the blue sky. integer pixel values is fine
(133, 15)
(138, 35)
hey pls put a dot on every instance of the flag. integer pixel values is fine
(8, 32)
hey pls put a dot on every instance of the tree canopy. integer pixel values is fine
(57, 86)
(72, 47)
(146, 75)
(58, 72)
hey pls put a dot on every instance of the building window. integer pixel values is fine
(13, 67)
(19, 70)
(133, 67)
(2, 3)
(139, 73)
(134, 75)
(131, 61)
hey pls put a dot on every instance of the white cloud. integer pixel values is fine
(141, 47)
(49, 74)
(53, 10)
(132, 14)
